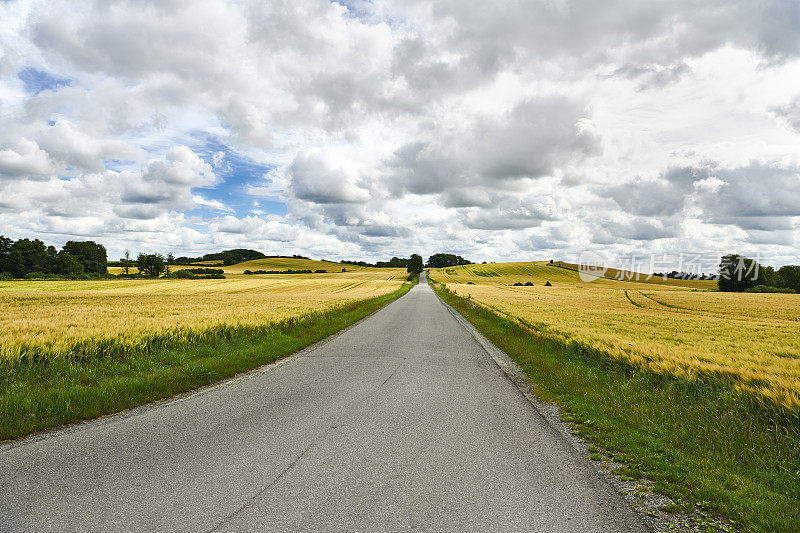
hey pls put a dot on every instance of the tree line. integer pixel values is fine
(446, 260)
(226, 257)
(33, 259)
(434, 261)
(738, 273)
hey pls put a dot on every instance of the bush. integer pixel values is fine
(205, 270)
(188, 274)
(548, 284)
(518, 284)
(764, 288)
(35, 275)
(320, 271)
(470, 283)
(248, 272)
(6, 276)
(529, 284)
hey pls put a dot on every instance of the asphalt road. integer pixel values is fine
(401, 422)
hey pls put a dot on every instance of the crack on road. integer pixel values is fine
(337, 423)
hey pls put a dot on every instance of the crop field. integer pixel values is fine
(272, 263)
(668, 326)
(282, 263)
(53, 316)
(75, 350)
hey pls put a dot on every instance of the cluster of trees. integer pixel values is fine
(414, 265)
(150, 265)
(684, 275)
(738, 273)
(394, 262)
(227, 257)
(446, 260)
(197, 273)
(357, 263)
(154, 265)
(32, 258)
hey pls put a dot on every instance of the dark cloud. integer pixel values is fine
(527, 142)
(653, 76)
(790, 113)
(752, 196)
(610, 232)
(661, 197)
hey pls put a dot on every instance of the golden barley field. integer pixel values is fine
(684, 328)
(55, 315)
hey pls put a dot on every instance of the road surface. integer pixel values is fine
(402, 422)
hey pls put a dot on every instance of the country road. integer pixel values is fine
(401, 422)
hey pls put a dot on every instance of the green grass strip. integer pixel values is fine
(40, 393)
(699, 440)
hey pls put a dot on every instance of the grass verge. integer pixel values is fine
(39, 393)
(701, 441)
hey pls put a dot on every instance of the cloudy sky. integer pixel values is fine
(496, 130)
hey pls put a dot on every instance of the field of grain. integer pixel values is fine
(272, 263)
(53, 316)
(667, 326)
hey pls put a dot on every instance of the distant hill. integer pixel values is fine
(541, 271)
(226, 257)
(287, 263)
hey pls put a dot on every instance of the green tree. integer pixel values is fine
(789, 276)
(414, 264)
(767, 276)
(27, 256)
(738, 273)
(92, 256)
(67, 265)
(151, 265)
(5, 248)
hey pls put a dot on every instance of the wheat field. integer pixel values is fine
(270, 263)
(684, 328)
(53, 316)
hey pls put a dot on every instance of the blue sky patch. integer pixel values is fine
(235, 173)
(37, 81)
